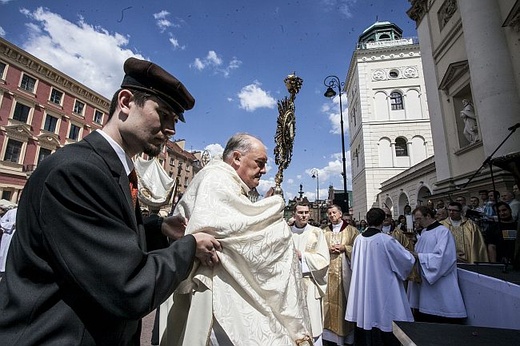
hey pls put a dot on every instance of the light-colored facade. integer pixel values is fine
(41, 110)
(388, 118)
(470, 52)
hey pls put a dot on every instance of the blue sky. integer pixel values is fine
(232, 55)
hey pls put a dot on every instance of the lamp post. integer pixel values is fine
(332, 82)
(316, 174)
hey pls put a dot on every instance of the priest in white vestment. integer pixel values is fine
(437, 297)
(313, 252)
(254, 296)
(380, 265)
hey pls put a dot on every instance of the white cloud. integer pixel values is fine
(175, 43)
(162, 22)
(334, 114)
(62, 44)
(4, 2)
(214, 62)
(2, 32)
(253, 97)
(342, 6)
(332, 172)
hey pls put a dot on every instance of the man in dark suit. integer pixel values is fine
(84, 268)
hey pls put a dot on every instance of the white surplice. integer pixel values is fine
(377, 295)
(311, 243)
(438, 294)
(255, 293)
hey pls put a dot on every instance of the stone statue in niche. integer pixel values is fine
(470, 121)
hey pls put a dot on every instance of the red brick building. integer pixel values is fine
(41, 110)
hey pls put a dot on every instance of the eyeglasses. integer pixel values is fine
(389, 215)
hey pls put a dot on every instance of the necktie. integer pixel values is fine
(132, 177)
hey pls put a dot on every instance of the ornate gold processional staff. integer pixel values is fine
(285, 129)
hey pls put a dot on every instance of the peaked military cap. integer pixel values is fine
(146, 76)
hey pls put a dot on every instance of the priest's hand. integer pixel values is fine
(207, 247)
(174, 226)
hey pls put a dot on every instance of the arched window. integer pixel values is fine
(401, 148)
(396, 100)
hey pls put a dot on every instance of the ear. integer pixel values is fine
(124, 98)
(236, 158)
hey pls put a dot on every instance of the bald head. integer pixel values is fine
(248, 156)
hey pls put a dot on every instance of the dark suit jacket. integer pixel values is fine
(78, 271)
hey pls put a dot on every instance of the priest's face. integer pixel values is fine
(250, 166)
(455, 213)
(334, 215)
(301, 215)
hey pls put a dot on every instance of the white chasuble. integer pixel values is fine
(255, 293)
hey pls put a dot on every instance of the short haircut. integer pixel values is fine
(474, 197)
(456, 204)
(300, 204)
(238, 142)
(375, 216)
(335, 206)
(424, 211)
(139, 97)
(501, 203)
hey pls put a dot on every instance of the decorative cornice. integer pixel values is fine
(419, 9)
(22, 59)
(405, 72)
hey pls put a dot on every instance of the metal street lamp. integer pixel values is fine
(316, 174)
(332, 82)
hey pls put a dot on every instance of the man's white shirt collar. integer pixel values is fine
(123, 157)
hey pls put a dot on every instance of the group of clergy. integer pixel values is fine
(355, 282)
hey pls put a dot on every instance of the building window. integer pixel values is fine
(56, 96)
(396, 100)
(74, 132)
(43, 154)
(28, 83)
(393, 74)
(172, 161)
(13, 151)
(50, 123)
(98, 117)
(401, 148)
(6, 194)
(3, 67)
(79, 107)
(21, 112)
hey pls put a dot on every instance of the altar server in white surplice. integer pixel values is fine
(313, 253)
(255, 295)
(437, 298)
(377, 295)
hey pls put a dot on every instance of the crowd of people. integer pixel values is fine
(225, 268)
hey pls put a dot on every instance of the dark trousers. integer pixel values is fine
(421, 317)
(374, 337)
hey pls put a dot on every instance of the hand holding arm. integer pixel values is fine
(174, 226)
(207, 247)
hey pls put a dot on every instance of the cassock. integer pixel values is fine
(469, 240)
(311, 243)
(377, 295)
(255, 295)
(438, 293)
